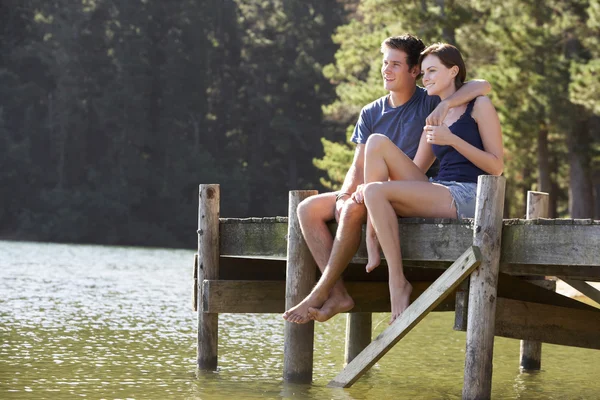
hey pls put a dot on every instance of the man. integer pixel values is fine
(400, 115)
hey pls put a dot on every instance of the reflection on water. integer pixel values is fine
(114, 322)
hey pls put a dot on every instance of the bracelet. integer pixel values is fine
(340, 195)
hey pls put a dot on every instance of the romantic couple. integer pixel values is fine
(398, 137)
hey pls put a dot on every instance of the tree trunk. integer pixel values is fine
(581, 204)
(544, 181)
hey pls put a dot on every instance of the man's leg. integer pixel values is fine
(343, 248)
(313, 214)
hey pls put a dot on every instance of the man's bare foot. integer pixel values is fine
(373, 255)
(335, 304)
(400, 299)
(299, 313)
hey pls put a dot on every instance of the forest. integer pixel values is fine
(112, 112)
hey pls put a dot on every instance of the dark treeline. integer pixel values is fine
(113, 111)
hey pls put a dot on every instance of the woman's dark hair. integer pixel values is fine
(407, 43)
(449, 56)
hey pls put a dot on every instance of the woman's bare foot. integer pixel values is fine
(335, 304)
(400, 299)
(373, 255)
(299, 313)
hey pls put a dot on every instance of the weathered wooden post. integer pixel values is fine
(301, 272)
(358, 334)
(208, 268)
(531, 350)
(487, 235)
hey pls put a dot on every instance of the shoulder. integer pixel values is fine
(482, 103)
(375, 105)
(483, 108)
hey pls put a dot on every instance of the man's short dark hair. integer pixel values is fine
(411, 45)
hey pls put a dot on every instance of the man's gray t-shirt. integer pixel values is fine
(403, 124)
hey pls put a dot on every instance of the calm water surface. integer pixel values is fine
(116, 323)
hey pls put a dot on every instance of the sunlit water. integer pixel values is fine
(114, 323)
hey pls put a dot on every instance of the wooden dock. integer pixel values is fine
(489, 271)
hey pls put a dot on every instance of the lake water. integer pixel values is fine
(98, 322)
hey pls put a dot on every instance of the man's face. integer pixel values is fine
(394, 70)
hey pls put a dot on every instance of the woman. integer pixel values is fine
(468, 144)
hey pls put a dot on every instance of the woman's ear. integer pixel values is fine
(454, 70)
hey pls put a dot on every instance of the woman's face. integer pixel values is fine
(437, 78)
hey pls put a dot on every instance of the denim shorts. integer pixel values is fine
(464, 196)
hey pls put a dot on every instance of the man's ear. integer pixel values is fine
(415, 71)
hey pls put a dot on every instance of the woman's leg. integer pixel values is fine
(373, 255)
(385, 201)
(383, 161)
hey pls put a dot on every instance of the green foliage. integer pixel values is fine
(541, 59)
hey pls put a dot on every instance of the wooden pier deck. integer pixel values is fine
(242, 266)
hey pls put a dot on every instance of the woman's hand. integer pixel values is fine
(439, 135)
(358, 195)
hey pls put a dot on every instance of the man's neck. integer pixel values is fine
(396, 99)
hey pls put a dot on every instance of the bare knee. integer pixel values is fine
(313, 209)
(376, 141)
(353, 213)
(373, 192)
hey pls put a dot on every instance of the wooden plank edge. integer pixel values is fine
(268, 297)
(548, 324)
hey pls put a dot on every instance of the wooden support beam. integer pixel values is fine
(585, 272)
(549, 324)
(583, 287)
(487, 235)
(358, 334)
(208, 268)
(301, 274)
(196, 285)
(433, 296)
(513, 288)
(269, 296)
(530, 352)
(257, 269)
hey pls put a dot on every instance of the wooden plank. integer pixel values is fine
(549, 324)
(560, 243)
(257, 269)
(265, 239)
(585, 272)
(585, 288)
(208, 268)
(551, 244)
(513, 288)
(443, 286)
(269, 296)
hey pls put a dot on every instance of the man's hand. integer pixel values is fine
(439, 135)
(438, 115)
